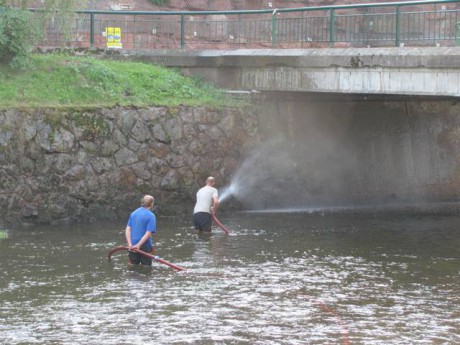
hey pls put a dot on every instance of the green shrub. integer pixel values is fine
(15, 37)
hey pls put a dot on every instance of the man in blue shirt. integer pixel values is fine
(141, 225)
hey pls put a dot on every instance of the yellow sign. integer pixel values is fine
(113, 37)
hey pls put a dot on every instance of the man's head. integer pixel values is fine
(210, 181)
(147, 201)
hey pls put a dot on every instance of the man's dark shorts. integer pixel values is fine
(136, 258)
(202, 221)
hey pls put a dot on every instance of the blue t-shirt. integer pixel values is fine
(141, 221)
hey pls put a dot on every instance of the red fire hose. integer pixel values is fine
(326, 309)
(222, 226)
(153, 257)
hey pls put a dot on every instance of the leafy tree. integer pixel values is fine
(15, 37)
(18, 25)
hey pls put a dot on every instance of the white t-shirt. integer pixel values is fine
(204, 199)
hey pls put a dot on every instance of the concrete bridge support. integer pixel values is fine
(429, 71)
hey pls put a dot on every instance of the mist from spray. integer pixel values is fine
(304, 164)
(270, 163)
(247, 177)
(325, 156)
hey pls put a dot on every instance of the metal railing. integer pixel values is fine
(422, 23)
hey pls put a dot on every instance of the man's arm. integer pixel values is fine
(143, 240)
(215, 203)
(128, 235)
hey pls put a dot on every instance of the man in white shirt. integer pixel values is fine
(207, 201)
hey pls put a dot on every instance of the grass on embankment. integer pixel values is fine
(61, 81)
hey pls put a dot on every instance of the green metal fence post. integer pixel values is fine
(331, 28)
(182, 31)
(134, 31)
(91, 30)
(273, 38)
(457, 34)
(239, 30)
(398, 26)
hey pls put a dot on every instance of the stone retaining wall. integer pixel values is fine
(82, 165)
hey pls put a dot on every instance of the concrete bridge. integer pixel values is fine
(420, 71)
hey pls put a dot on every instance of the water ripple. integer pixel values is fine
(257, 286)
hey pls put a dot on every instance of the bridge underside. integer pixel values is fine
(354, 149)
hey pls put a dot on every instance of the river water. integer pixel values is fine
(277, 278)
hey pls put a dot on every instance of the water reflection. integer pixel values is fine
(275, 279)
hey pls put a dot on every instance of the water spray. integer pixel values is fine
(228, 192)
(264, 164)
